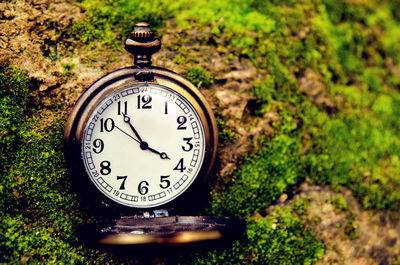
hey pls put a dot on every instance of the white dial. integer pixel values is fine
(143, 145)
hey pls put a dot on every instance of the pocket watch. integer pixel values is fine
(141, 141)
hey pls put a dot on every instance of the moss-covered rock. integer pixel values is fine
(326, 82)
(279, 238)
(38, 210)
(199, 76)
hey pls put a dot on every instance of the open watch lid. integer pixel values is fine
(167, 230)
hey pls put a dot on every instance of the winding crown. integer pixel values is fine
(141, 44)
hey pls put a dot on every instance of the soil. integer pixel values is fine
(36, 36)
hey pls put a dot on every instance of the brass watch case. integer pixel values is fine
(114, 81)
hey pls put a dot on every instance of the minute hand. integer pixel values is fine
(143, 145)
(128, 120)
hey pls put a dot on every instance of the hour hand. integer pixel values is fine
(143, 145)
(162, 154)
(128, 120)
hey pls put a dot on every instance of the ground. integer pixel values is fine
(306, 96)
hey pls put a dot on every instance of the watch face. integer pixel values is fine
(143, 145)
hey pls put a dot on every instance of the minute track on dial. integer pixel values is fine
(174, 152)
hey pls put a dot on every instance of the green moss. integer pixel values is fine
(199, 76)
(339, 203)
(225, 134)
(266, 90)
(282, 239)
(108, 22)
(14, 87)
(38, 210)
(261, 179)
(50, 52)
(350, 227)
(24, 241)
(66, 73)
(300, 206)
(372, 78)
(68, 67)
(357, 146)
(180, 59)
(360, 149)
(279, 238)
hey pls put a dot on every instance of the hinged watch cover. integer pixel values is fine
(167, 230)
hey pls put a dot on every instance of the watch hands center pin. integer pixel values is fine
(143, 145)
